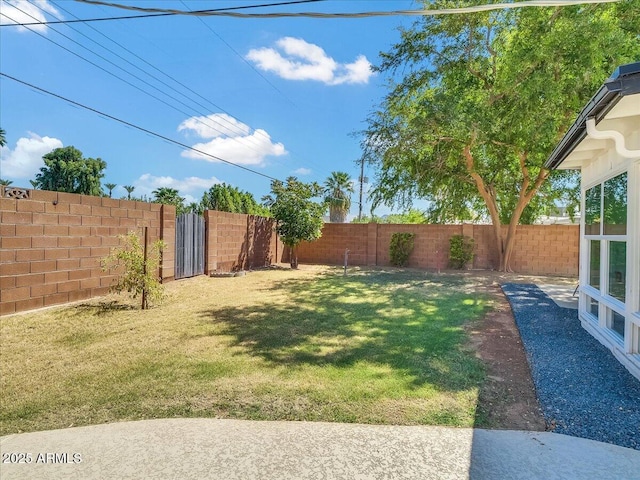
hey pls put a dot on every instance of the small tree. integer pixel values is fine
(298, 217)
(139, 277)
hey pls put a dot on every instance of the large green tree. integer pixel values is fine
(337, 194)
(478, 102)
(227, 198)
(298, 216)
(66, 170)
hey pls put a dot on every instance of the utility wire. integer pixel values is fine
(136, 127)
(240, 56)
(151, 15)
(132, 125)
(231, 126)
(425, 12)
(124, 80)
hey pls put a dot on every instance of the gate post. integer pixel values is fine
(168, 236)
(210, 241)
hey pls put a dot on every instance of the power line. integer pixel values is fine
(134, 126)
(250, 141)
(240, 56)
(230, 126)
(152, 15)
(425, 12)
(129, 73)
(137, 127)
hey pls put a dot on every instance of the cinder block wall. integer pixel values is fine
(547, 249)
(235, 241)
(51, 245)
(538, 249)
(330, 247)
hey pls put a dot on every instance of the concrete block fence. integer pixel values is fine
(539, 249)
(51, 245)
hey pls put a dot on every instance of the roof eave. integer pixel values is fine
(625, 81)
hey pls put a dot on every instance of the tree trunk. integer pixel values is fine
(293, 258)
(488, 195)
(504, 243)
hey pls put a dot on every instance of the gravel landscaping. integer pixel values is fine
(583, 390)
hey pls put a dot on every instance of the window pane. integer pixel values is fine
(593, 307)
(617, 323)
(594, 264)
(592, 211)
(617, 269)
(615, 205)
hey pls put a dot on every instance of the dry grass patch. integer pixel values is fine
(373, 347)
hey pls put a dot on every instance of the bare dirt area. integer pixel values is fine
(507, 399)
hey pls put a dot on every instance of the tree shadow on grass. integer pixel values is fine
(100, 308)
(407, 322)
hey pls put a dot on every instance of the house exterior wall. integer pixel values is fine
(597, 319)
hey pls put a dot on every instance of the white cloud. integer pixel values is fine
(231, 140)
(302, 171)
(214, 126)
(147, 183)
(306, 61)
(23, 11)
(25, 160)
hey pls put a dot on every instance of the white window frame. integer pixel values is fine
(607, 303)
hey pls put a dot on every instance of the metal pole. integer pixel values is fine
(346, 256)
(361, 182)
(144, 268)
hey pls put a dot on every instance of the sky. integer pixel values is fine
(279, 97)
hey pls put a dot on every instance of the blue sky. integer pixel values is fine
(279, 96)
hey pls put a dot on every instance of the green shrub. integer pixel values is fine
(400, 248)
(460, 251)
(138, 277)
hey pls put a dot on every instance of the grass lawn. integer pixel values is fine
(376, 346)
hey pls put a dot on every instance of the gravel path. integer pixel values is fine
(583, 390)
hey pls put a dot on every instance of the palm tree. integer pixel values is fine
(169, 196)
(129, 190)
(34, 183)
(337, 190)
(110, 187)
(5, 183)
(3, 138)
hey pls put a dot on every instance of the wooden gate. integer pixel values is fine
(189, 245)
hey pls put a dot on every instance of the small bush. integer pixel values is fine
(400, 248)
(135, 278)
(460, 251)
